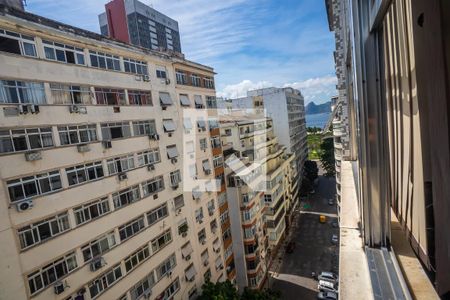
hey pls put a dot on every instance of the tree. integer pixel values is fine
(327, 156)
(226, 291)
(311, 170)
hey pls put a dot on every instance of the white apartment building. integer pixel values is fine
(92, 200)
(260, 183)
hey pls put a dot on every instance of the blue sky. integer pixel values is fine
(249, 43)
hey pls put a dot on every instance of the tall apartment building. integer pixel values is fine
(133, 22)
(286, 108)
(260, 183)
(393, 93)
(93, 204)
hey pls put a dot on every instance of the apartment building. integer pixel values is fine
(134, 22)
(260, 181)
(94, 202)
(393, 113)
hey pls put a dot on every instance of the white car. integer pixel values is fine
(326, 286)
(328, 276)
(327, 296)
(334, 239)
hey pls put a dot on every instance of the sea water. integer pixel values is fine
(317, 120)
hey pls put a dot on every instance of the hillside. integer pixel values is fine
(312, 108)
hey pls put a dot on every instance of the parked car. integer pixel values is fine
(290, 247)
(330, 202)
(334, 239)
(326, 286)
(327, 296)
(328, 276)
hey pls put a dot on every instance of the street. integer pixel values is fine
(314, 252)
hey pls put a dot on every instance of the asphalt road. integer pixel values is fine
(314, 252)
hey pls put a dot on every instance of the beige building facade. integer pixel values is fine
(93, 198)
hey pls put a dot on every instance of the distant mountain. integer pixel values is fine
(312, 108)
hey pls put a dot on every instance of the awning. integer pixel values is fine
(205, 256)
(172, 152)
(186, 250)
(165, 99)
(206, 166)
(192, 170)
(219, 262)
(187, 123)
(201, 123)
(216, 245)
(190, 147)
(196, 193)
(198, 99)
(209, 186)
(169, 125)
(213, 123)
(184, 100)
(190, 273)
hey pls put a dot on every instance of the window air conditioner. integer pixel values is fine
(33, 155)
(174, 160)
(167, 81)
(83, 148)
(74, 109)
(151, 167)
(59, 287)
(154, 137)
(146, 78)
(23, 109)
(107, 144)
(34, 109)
(122, 176)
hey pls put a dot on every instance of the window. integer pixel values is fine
(190, 273)
(120, 164)
(184, 100)
(165, 267)
(211, 207)
(106, 96)
(111, 131)
(172, 151)
(224, 217)
(22, 92)
(199, 214)
(126, 196)
(100, 284)
(136, 258)
(161, 74)
(175, 178)
(198, 101)
(201, 124)
(144, 128)
(207, 275)
(91, 211)
(15, 140)
(27, 187)
(161, 241)
(206, 166)
(202, 235)
(195, 80)
(211, 102)
(218, 161)
(63, 53)
(17, 43)
(135, 66)
(178, 202)
(70, 94)
(98, 246)
(171, 289)
(208, 82)
(165, 99)
(213, 226)
(169, 125)
(203, 144)
(148, 157)
(181, 77)
(157, 214)
(104, 61)
(187, 124)
(213, 123)
(49, 274)
(138, 290)
(215, 142)
(83, 173)
(41, 231)
(131, 228)
(76, 134)
(226, 234)
(136, 97)
(153, 186)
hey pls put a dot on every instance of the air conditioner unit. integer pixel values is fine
(205, 263)
(184, 234)
(74, 109)
(170, 134)
(169, 274)
(59, 287)
(203, 242)
(151, 167)
(107, 144)
(154, 137)
(178, 212)
(83, 148)
(33, 155)
(221, 267)
(167, 81)
(24, 205)
(23, 109)
(97, 263)
(174, 160)
(175, 186)
(217, 250)
(200, 221)
(188, 257)
(122, 176)
(211, 212)
(34, 109)
(147, 293)
(146, 78)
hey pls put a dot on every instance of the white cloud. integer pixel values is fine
(240, 89)
(319, 89)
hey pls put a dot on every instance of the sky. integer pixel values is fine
(249, 43)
